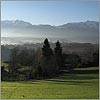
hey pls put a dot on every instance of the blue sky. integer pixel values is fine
(50, 12)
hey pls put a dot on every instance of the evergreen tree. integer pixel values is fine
(58, 56)
(47, 51)
(47, 58)
(58, 49)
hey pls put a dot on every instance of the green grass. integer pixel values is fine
(68, 86)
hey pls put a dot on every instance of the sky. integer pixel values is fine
(50, 12)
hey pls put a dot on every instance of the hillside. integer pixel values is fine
(77, 31)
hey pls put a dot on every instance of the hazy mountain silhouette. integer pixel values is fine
(78, 31)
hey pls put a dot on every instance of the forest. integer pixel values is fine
(46, 60)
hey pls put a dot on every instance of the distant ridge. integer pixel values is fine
(87, 31)
(22, 22)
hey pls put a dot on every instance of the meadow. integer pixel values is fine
(83, 83)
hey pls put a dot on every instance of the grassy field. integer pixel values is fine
(82, 84)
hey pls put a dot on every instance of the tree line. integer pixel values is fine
(25, 64)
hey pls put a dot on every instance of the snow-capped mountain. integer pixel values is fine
(17, 23)
(77, 31)
(87, 24)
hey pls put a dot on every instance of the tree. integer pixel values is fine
(96, 58)
(23, 56)
(47, 58)
(75, 60)
(13, 63)
(47, 51)
(26, 57)
(71, 61)
(39, 71)
(58, 56)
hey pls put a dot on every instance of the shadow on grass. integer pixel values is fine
(75, 82)
(77, 77)
(73, 77)
(30, 81)
(85, 71)
(34, 81)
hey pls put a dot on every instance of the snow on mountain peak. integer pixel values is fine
(16, 23)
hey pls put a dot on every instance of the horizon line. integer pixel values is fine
(49, 24)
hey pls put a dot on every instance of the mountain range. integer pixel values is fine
(87, 31)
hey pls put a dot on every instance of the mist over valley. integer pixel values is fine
(18, 31)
